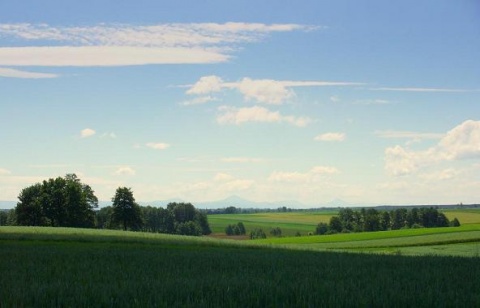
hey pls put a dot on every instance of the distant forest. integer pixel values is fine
(368, 220)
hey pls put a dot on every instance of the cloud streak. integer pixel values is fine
(14, 73)
(238, 116)
(123, 44)
(267, 91)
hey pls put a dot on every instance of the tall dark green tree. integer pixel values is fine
(126, 211)
(29, 210)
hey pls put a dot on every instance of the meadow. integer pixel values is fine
(459, 241)
(102, 268)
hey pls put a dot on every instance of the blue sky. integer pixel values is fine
(371, 102)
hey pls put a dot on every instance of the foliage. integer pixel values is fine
(455, 223)
(257, 234)
(276, 232)
(125, 211)
(131, 269)
(322, 228)
(367, 220)
(177, 218)
(57, 202)
(235, 229)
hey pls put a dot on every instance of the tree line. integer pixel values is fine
(67, 202)
(367, 220)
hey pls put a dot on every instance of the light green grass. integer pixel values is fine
(289, 223)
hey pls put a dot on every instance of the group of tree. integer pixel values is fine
(276, 232)
(177, 218)
(257, 233)
(366, 220)
(59, 202)
(235, 229)
(67, 202)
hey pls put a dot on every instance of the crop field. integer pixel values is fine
(289, 223)
(460, 241)
(78, 267)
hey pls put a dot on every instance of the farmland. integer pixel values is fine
(78, 267)
(43, 266)
(460, 241)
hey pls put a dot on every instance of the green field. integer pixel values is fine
(82, 268)
(290, 223)
(461, 241)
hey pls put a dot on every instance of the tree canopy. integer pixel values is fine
(62, 202)
(126, 211)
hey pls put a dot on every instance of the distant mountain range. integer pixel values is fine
(239, 202)
(235, 201)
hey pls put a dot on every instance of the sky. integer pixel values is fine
(370, 102)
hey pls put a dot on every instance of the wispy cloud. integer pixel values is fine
(394, 134)
(14, 73)
(123, 44)
(126, 170)
(4, 172)
(158, 146)
(331, 137)
(414, 89)
(242, 160)
(313, 175)
(87, 132)
(237, 116)
(266, 91)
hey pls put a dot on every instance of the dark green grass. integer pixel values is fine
(70, 270)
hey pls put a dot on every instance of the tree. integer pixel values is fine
(64, 202)
(455, 223)
(126, 211)
(385, 221)
(257, 233)
(29, 210)
(229, 230)
(322, 228)
(335, 224)
(242, 229)
(276, 232)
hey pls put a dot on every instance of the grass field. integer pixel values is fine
(461, 241)
(75, 267)
(289, 223)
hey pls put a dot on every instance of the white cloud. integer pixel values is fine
(399, 161)
(334, 99)
(266, 91)
(414, 89)
(392, 134)
(462, 142)
(158, 146)
(87, 132)
(237, 116)
(125, 171)
(122, 44)
(313, 175)
(371, 102)
(105, 56)
(222, 177)
(331, 137)
(110, 135)
(241, 160)
(206, 85)
(4, 172)
(13, 73)
(199, 100)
